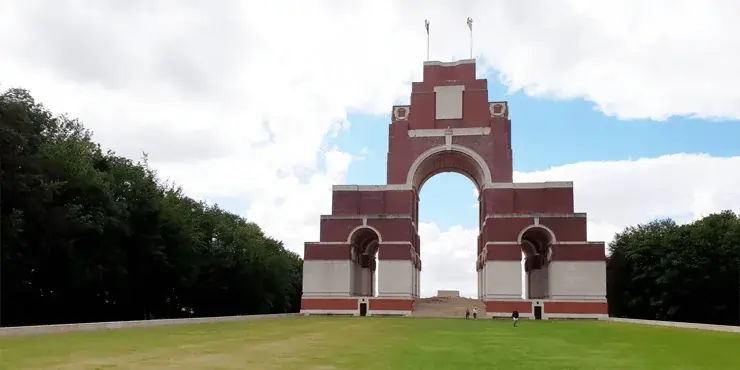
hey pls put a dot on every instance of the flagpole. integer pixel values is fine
(426, 25)
(470, 27)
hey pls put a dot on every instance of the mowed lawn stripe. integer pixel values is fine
(378, 343)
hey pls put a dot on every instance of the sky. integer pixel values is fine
(260, 106)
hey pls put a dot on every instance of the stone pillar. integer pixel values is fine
(354, 277)
(418, 282)
(481, 281)
(477, 282)
(503, 272)
(412, 276)
(372, 282)
(418, 279)
(414, 281)
(395, 280)
(365, 281)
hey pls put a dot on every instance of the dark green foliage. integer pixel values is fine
(672, 272)
(91, 236)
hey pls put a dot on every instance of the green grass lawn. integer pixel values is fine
(378, 343)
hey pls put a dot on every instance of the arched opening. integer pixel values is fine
(364, 243)
(448, 230)
(450, 219)
(536, 242)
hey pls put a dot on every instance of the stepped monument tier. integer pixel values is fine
(450, 126)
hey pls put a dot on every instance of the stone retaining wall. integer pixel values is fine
(686, 325)
(448, 293)
(47, 329)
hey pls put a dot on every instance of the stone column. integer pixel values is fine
(397, 265)
(503, 272)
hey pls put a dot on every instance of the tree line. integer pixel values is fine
(88, 235)
(665, 271)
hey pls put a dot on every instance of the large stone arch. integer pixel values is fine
(446, 158)
(449, 158)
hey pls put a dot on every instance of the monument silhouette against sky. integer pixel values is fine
(450, 126)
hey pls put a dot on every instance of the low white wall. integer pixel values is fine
(64, 328)
(502, 280)
(686, 325)
(395, 278)
(327, 278)
(577, 280)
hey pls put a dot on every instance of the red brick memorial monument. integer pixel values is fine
(450, 126)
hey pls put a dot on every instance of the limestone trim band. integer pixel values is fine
(448, 64)
(365, 216)
(488, 216)
(401, 187)
(536, 215)
(345, 243)
(514, 242)
(489, 185)
(328, 295)
(441, 132)
(530, 185)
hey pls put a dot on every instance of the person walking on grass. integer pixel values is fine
(515, 317)
(467, 313)
(475, 312)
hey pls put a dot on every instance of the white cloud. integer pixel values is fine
(448, 259)
(237, 98)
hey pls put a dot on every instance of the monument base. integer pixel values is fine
(548, 308)
(353, 306)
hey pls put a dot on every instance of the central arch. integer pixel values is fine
(449, 159)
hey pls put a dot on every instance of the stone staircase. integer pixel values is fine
(446, 307)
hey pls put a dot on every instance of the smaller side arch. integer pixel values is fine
(553, 240)
(359, 228)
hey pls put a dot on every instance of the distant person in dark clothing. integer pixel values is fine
(467, 313)
(515, 317)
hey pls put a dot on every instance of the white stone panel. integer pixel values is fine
(577, 280)
(394, 279)
(502, 280)
(327, 278)
(449, 102)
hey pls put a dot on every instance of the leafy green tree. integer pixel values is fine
(91, 236)
(665, 271)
